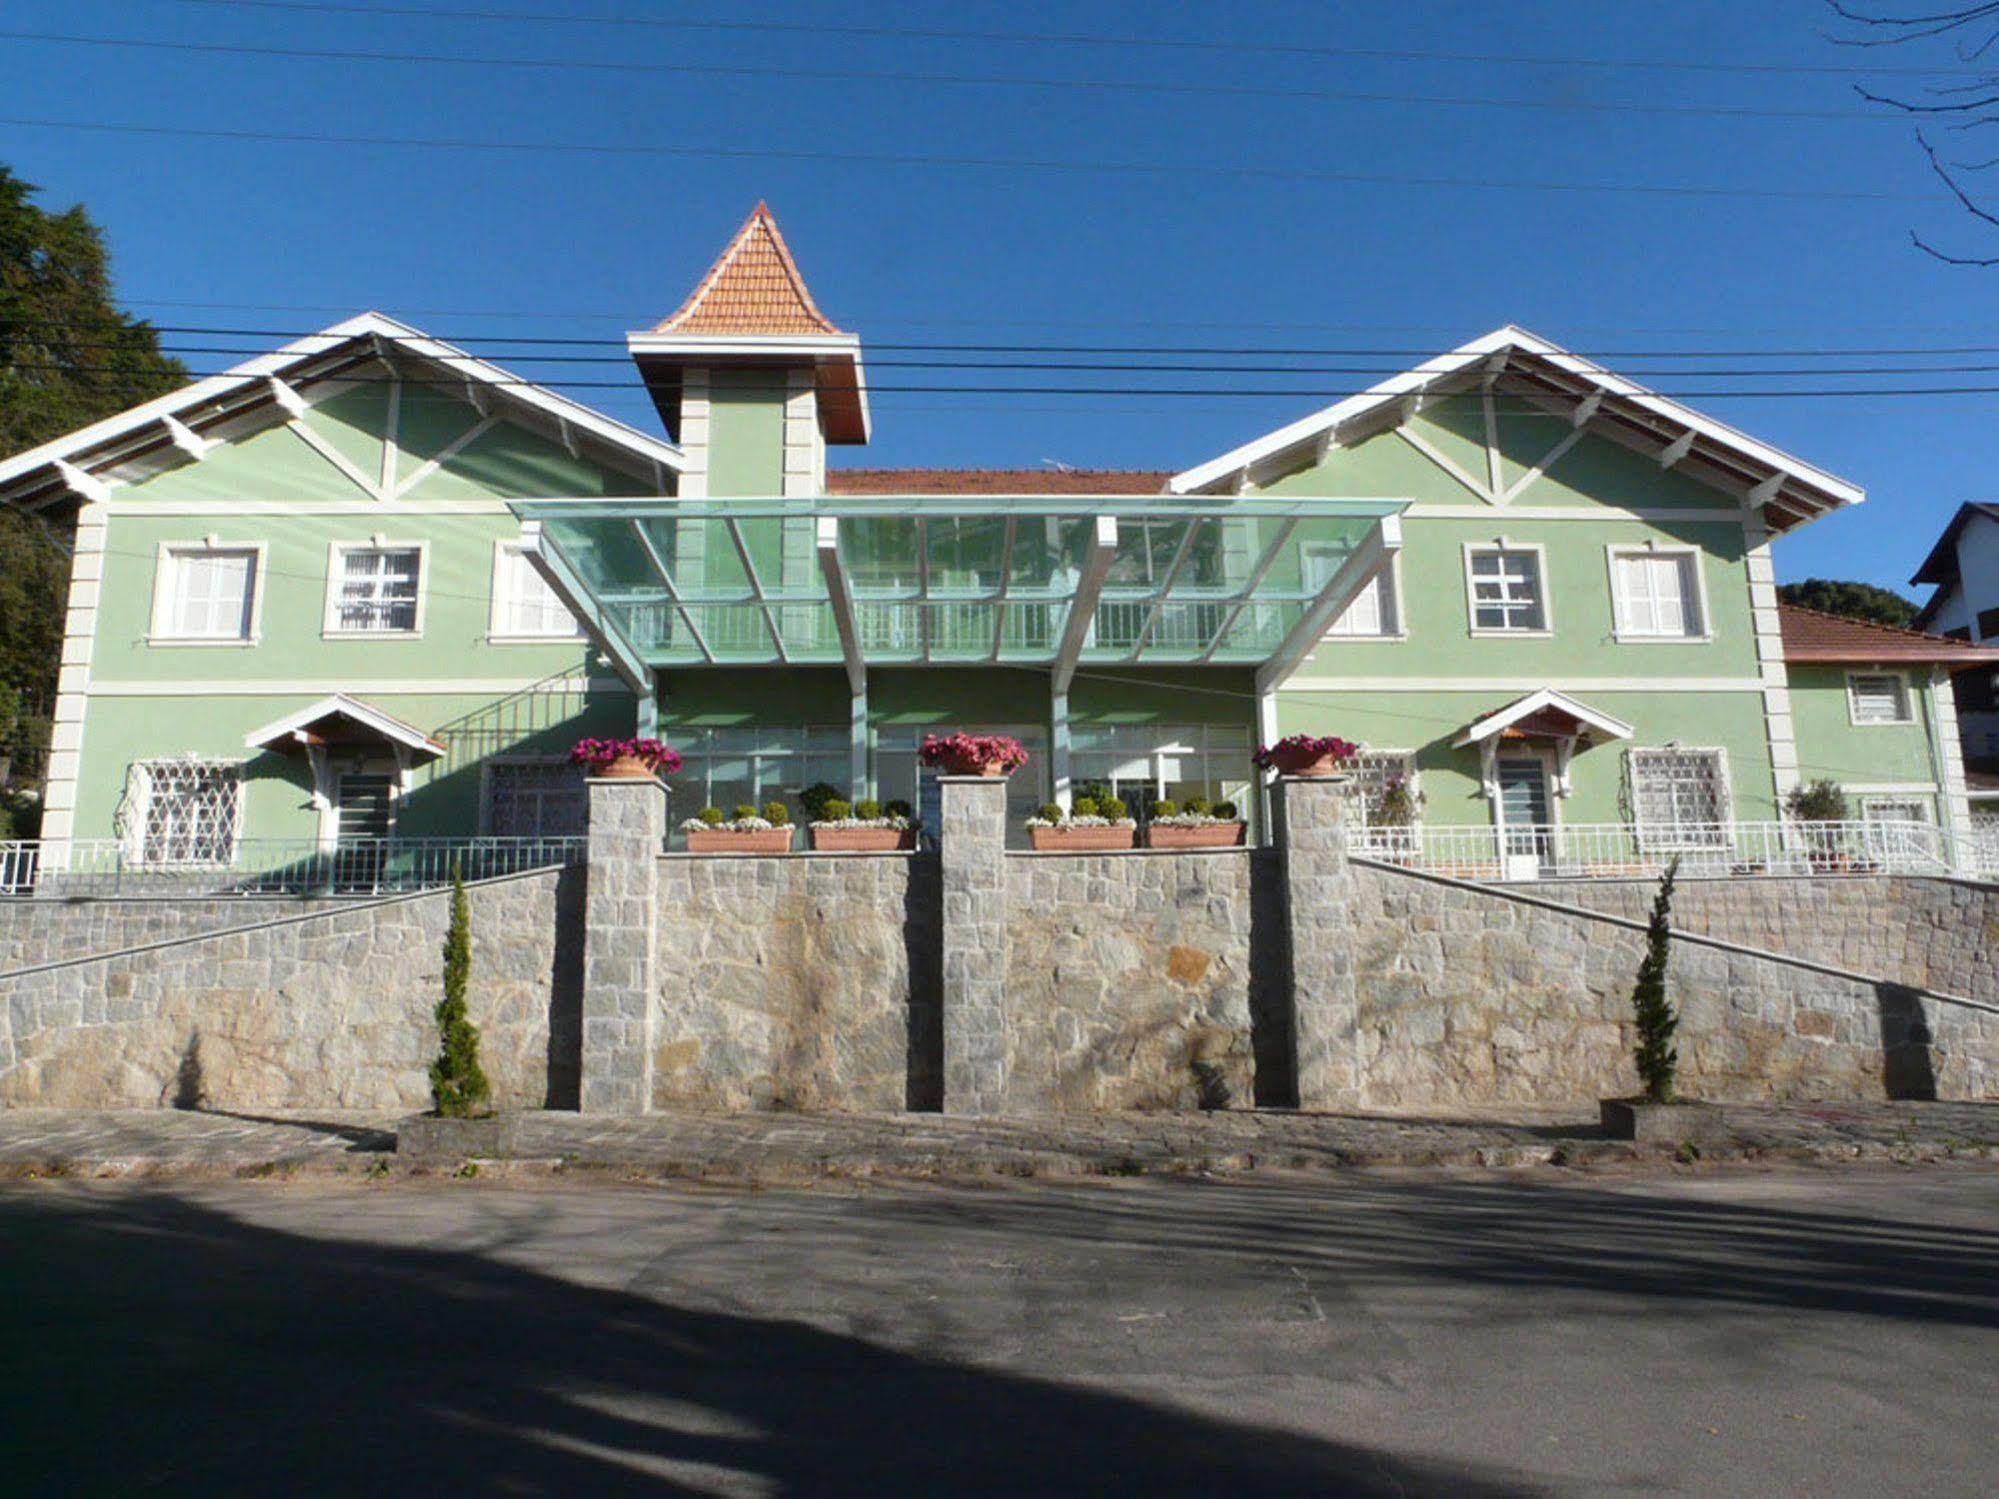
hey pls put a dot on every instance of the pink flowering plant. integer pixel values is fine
(970, 751)
(1305, 749)
(599, 755)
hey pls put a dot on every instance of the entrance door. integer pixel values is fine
(1525, 813)
(365, 813)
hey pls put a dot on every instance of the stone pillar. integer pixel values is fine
(1308, 820)
(972, 852)
(627, 836)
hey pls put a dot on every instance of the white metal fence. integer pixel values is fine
(1618, 850)
(107, 867)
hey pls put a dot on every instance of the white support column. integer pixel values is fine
(86, 579)
(1370, 557)
(857, 743)
(1947, 746)
(1058, 748)
(1083, 607)
(1768, 633)
(840, 597)
(694, 416)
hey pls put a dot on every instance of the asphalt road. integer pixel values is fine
(1821, 1333)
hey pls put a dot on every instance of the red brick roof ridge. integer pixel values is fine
(1898, 638)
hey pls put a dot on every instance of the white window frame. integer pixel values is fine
(1656, 836)
(486, 779)
(1390, 580)
(166, 576)
(1902, 682)
(1539, 551)
(1695, 598)
(135, 836)
(1921, 802)
(496, 616)
(336, 554)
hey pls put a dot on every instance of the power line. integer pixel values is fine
(1096, 39)
(1003, 163)
(863, 75)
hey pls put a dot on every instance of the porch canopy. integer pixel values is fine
(1012, 580)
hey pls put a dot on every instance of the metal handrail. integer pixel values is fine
(372, 866)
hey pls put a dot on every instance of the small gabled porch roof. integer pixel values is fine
(1546, 714)
(338, 722)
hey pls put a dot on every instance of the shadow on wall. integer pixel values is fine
(565, 993)
(1273, 1035)
(1907, 1067)
(923, 949)
(301, 1365)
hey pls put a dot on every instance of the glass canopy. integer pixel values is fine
(1031, 580)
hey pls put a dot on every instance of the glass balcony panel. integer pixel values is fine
(961, 632)
(880, 554)
(967, 552)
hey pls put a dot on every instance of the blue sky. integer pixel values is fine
(1251, 231)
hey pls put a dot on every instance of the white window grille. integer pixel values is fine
(211, 593)
(1373, 775)
(524, 606)
(1373, 610)
(1679, 798)
(535, 799)
(189, 811)
(1656, 594)
(1507, 591)
(1878, 697)
(378, 590)
(1894, 809)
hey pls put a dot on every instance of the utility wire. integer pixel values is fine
(1236, 172)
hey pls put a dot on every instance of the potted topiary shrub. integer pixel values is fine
(973, 754)
(461, 1125)
(863, 828)
(1316, 755)
(745, 831)
(1195, 824)
(624, 759)
(1816, 811)
(1658, 1115)
(1091, 825)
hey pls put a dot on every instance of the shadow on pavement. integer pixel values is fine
(150, 1342)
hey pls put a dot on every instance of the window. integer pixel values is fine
(1878, 697)
(375, 590)
(206, 592)
(1385, 799)
(728, 768)
(188, 811)
(1144, 763)
(1679, 798)
(1507, 593)
(1656, 595)
(524, 606)
(1988, 624)
(1372, 612)
(534, 799)
(1893, 809)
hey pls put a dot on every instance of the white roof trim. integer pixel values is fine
(682, 344)
(1835, 491)
(393, 729)
(391, 334)
(1534, 702)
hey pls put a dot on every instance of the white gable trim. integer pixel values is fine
(392, 729)
(1534, 702)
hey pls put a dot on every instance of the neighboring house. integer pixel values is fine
(1963, 568)
(333, 595)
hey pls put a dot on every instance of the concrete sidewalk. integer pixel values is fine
(774, 1147)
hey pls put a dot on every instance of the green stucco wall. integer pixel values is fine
(746, 432)
(1831, 746)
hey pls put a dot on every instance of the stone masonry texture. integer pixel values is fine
(787, 982)
(50, 930)
(972, 859)
(331, 1010)
(1127, 982)
(1319, 899)
(627, 832)
(1471, 996)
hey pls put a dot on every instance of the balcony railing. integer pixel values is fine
(1617, 850)
(109, 867)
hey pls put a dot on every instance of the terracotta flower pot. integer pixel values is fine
(1298, 763)
(1082, 840)
(830, 840)
(991, 769)
(626, 768)
(1196, 835)
(728, 841)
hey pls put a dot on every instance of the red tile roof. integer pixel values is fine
(996, 480)
(754, 287)
(1810, 635)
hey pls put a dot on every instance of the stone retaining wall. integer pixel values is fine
(1128, 981)
(326, 1010)
(1940, 934)
(807, 981)
(43, 930)
(1476, 996)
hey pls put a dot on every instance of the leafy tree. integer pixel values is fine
(458, 1084)
(68, 357)
(1877, 606)
(1656, 1056)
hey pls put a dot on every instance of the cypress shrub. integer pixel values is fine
(1656, 1055)
(458, 1084)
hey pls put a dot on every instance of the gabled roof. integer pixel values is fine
(64, 467)
(753, 287)
(340, 719)
(1810, 635)
(1534, 710)
(1940, 567)
(995, 481)
(1789, 490)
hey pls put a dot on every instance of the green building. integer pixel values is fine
(369, 589)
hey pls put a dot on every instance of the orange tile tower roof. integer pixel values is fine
(753, 287)
(1811, 635)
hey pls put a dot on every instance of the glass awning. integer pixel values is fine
(1033, 580)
